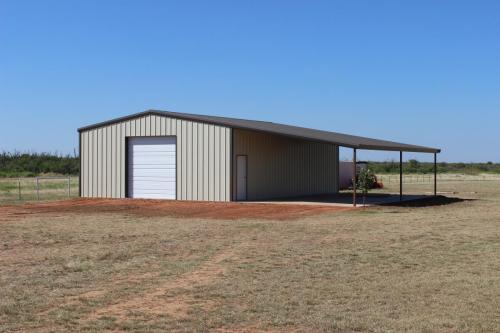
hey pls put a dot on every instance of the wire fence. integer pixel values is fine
(429, 178)
(38, 188)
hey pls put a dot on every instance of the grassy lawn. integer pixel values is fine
(385, 269)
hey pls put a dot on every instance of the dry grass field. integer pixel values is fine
(381, 269)
(15, 190)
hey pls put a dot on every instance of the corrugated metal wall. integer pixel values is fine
(203, 157)
(279, 166)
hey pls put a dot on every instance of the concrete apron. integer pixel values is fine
(342, 201)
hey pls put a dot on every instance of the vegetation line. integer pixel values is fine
(34, 164)
(416, 167)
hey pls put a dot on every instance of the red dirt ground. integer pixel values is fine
(188, 209)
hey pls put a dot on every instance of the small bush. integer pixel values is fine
(365, 182)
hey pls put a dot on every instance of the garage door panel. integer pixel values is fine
(153, 178)
(154, 191)
(151, 185)
(145, 180)
(149, 195)
(156, 196)
(153, 154)
(155, 161)
(152, 167)
(147, 183)
(156, 148)
(153, 172)
(153, 148)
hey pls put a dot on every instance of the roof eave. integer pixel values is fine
(115, 120)
(403, 149)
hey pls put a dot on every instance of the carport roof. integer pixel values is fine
(344, 140)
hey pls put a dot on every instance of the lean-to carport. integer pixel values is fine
(394, 147)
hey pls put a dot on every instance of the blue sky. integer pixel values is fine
(422, 72)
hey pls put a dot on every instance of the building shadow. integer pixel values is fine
(372, 199)
(427, 201)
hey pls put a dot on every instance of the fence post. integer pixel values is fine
(69, 186)
(19, 185)
(37, 189)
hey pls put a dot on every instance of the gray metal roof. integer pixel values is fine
(344, 140)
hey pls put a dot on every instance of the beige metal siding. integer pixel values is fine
(280, 166)
(202, 149)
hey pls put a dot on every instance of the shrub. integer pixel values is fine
(366, 180)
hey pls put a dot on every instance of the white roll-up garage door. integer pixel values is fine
(151, 168)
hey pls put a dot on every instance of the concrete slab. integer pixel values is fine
(344, 200)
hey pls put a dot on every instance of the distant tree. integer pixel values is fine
(366, 180)
(413, 166)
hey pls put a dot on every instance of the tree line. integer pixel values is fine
(416, 167)
(34, 164)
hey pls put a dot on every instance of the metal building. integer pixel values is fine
(170, 155)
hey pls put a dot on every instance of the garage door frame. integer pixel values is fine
(127, 160)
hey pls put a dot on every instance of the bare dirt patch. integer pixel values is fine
(158, 208)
